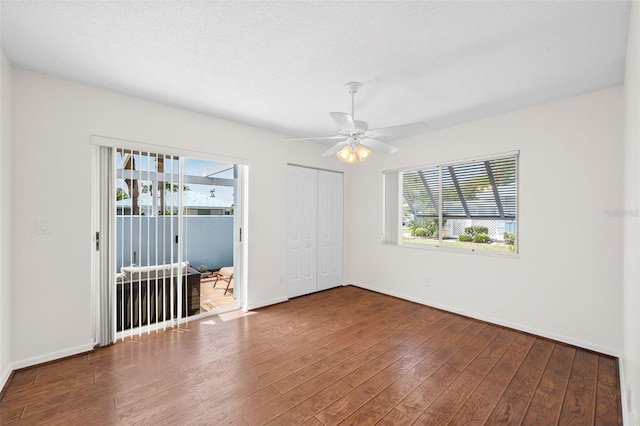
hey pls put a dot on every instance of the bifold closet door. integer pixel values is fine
(302, 211)
(329, 229)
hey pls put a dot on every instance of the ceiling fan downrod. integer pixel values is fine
(353, 88)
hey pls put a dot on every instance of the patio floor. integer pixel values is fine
(214, 298)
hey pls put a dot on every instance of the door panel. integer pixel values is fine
(301, 231)
(330, 232)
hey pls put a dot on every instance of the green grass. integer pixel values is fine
(419, 240)
(408, 239)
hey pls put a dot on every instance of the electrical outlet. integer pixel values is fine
(427, 281)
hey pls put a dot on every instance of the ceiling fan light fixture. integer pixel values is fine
(351, 155)
(362, 152)
(344, 153)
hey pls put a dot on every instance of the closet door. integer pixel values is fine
(302, 211)
(329, 229)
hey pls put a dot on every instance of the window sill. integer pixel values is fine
(491, 253)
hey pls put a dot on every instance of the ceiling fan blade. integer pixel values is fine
(319, 138)
(334, 149)
(376, 145)
(361, 125)
(344, 121)
(397, 132)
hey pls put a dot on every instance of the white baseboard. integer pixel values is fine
(264, 303)
(6, 373)
(52, 356)
(560, 338)
(623, 394)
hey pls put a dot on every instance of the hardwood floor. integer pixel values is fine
(344, 356)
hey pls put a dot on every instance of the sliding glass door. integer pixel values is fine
(173, 232)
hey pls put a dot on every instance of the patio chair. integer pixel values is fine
(224, 274)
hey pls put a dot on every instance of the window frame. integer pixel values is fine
(392, 232)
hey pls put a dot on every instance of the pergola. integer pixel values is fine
(483, 190)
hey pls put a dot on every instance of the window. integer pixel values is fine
(467, 205)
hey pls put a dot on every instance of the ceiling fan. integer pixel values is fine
(356, 140)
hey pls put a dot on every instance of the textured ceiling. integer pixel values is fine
(283, 65)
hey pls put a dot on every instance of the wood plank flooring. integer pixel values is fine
(344, 356)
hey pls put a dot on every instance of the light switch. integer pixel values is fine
(43, 226)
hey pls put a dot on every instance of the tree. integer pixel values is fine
(168, 187)
(121, 194)
(132, 184)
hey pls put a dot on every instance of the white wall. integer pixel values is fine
(566, 283)
(631, 356)
(564, 286)
(5, 218)
(53, 122)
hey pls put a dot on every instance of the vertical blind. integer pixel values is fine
(150, 266)
(392, 211)
(105, 329)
